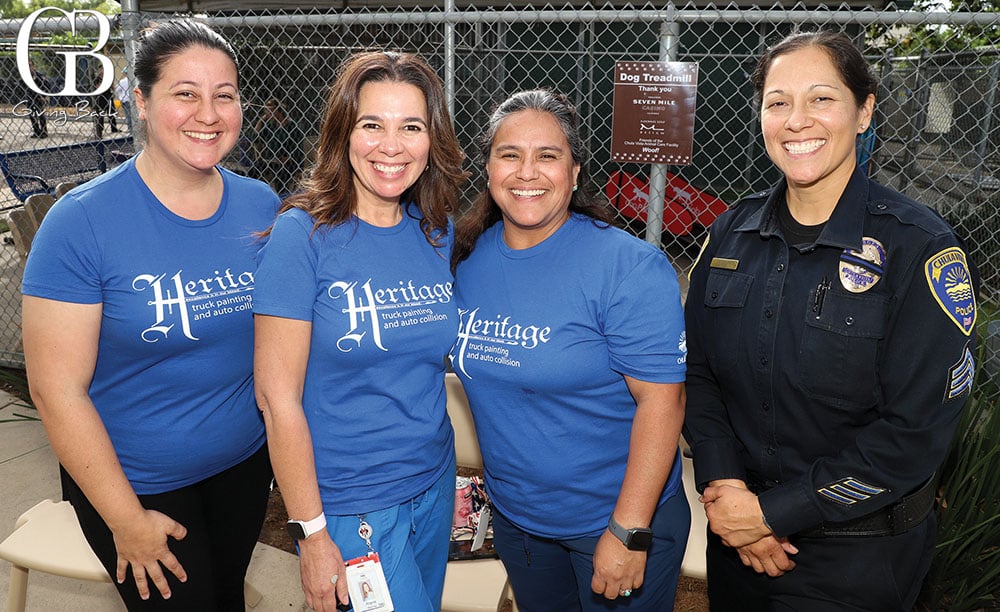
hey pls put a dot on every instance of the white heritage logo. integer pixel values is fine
(493, 339)
(221, 294)
(403, 305)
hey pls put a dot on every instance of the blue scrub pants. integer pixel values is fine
(411, 540)
(554, 575)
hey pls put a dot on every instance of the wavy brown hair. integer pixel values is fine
(485, 212)
(329, 194)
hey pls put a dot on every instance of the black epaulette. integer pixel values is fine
(760, 195)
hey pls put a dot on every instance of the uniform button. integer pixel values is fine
(763, 361)
(781, 267)
(880, 206)
(771, 450)
(849, 320)
(768, 313)
(715, 294)
(765, 406)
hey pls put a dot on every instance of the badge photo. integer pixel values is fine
(366, 584)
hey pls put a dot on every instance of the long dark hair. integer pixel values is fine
(329, 194)
(485, 212)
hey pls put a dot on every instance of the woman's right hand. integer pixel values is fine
(143, 545)
(769, 555)
(319, 561)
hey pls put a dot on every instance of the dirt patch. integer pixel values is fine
(273, 532)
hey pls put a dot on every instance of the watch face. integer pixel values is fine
(640, 540)
(295, 530)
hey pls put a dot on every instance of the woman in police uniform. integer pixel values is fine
(831, 335)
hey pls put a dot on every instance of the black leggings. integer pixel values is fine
(223, 515)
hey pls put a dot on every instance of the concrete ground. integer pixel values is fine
(29, 473)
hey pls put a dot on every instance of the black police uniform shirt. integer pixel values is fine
(832, 375)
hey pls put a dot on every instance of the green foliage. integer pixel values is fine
(965, 573)
(15, 382)
(912, 41)
(15, 9)
(979, 36)
(68, 38)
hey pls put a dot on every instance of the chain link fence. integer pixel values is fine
(937, 121)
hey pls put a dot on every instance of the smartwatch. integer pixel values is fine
(639, 538)
(300, 530)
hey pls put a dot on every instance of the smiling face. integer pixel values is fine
(531, 176)
(810, 121)
(192, 113)
(390, 143)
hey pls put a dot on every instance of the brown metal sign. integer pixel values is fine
(654, 105)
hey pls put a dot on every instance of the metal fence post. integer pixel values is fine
(130, 34)
(449, 57)
(669, 42)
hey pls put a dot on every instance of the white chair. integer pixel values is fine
(694, 564)
(48, 538)
(22, 231)
(62, 188)
(477, 585)
(38, 205)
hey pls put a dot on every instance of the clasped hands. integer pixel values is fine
(734, 514)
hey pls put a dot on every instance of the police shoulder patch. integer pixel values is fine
(948, 277)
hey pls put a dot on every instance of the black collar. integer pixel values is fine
(843, 229)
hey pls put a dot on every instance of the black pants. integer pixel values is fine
(39, 122)
(223, 515)
(882, 574)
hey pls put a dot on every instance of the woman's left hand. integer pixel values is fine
(616, 568)
(734, 515)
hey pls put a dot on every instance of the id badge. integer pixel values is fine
(366, 584)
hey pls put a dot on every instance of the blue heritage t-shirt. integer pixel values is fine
(383, 319)
(172, 382)
(546, 334)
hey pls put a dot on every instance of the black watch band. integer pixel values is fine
(637, 538)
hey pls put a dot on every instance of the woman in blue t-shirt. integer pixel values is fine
(354, 317)
(138, 339)
(571, 349)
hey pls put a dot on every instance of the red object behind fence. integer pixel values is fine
(684, 205)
